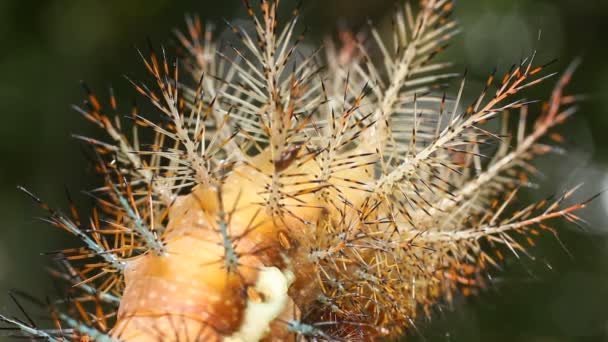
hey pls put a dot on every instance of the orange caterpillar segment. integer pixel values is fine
(190, 291)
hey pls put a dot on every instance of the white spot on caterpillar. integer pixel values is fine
(273, 284)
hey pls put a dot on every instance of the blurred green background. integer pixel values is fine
(48, 46)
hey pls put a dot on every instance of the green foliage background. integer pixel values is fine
(48, 46)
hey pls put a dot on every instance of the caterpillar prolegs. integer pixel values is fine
(336, 195)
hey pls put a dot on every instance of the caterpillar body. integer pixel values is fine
(289, 196)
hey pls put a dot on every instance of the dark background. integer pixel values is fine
(48, 46)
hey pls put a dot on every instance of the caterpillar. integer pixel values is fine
(339, 195)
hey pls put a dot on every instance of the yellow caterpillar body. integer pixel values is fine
(192, 287)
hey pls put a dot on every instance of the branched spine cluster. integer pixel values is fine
(375, 193)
